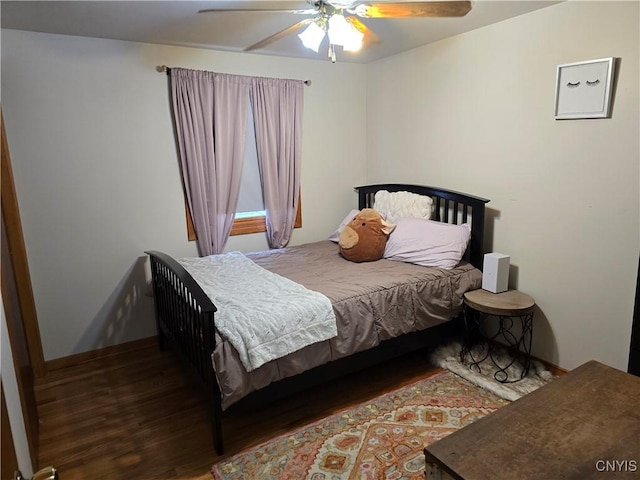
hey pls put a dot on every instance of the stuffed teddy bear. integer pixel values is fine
(363, 239)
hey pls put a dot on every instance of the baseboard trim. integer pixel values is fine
(79, 358)
(554, 369)
(128, 347)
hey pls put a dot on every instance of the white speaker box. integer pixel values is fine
(495, 272)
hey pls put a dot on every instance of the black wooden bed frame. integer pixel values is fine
(185, 315)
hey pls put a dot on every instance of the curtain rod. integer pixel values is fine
(165, 69)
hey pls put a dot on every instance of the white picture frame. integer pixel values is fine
(584, 89)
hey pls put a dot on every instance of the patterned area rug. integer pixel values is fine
(380, 439)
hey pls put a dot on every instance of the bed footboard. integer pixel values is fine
(185, 320)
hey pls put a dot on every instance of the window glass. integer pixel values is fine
(250, 203)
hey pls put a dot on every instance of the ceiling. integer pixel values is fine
(179, 23)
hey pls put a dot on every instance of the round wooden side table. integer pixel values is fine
(510, 307)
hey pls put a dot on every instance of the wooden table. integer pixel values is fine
(584, 425)
(510, 303)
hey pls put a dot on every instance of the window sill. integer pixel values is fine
(243, 226)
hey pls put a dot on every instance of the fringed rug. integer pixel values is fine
(380, 439)
(448, 357)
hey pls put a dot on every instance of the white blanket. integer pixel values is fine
(264, 315)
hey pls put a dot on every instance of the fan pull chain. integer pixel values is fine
(332, 53)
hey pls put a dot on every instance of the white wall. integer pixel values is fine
(89, 129)
(475, 113)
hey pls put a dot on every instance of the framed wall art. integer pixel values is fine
(584, 89)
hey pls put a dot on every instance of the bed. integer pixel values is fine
(382, 309)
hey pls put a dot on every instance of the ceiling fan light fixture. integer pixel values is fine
(343, 33)
(312, 36)
(354, 42)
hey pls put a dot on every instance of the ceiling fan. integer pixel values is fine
(340, 20)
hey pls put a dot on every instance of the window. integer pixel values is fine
(250, 213)
(242, 226)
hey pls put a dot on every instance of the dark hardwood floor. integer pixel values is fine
(134, 415)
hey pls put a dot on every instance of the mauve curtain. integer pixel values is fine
(210, 112)
(277, 113)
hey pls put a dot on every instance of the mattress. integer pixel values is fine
(372, 301)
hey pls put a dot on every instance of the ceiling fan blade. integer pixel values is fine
(370, 37)
(280, 34)
(308, 11)
(454, 8)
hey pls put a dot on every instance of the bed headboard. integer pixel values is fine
(449, 207)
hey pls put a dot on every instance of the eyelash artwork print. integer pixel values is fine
(584, 89)
(589, 84)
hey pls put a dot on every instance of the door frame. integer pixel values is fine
(15, 238)
(18, 304)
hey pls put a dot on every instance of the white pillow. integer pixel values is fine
(394, 205)
(428, 243)
(335, 235)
